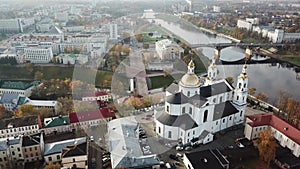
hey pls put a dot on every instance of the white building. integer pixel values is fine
(286, 134)
(244, 24)
(21, 88)
(75, 155)
(53, 151)
(113, 31)
(38, 55)
(95, 96)
(254, 21)
(125, 148)
(72, 58)
(168, 50)
(194, 111)
(17, 126)
(216, 9)
(11, 26)
(11, 155)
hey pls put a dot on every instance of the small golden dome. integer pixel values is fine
(245, 66)
(190, 80)
(191, 64)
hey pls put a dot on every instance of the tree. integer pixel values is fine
(66, 106)
(266, 145)
(26, 110)
(282, 100)
(45, 113)
(252, 91)
(38, 75)
(262, 96)
(292, 108)
(52, 166)
(3, 112)
(125, 50)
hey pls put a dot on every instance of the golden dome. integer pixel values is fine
(190, 79)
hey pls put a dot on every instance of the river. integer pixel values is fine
(267, 78)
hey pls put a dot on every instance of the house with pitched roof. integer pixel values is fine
(90, 118)
(56, 125)
(124, 147)
(53, 151)
(22, 88)
(20, 126)
(75, 155)
(287, 135)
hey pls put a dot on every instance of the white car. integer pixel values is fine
(179, 148)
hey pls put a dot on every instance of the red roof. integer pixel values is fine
(96, 94)
(277, 123)
(91, 115)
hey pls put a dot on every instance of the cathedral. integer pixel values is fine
(194, 109)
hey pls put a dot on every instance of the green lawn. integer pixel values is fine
(100, 77)
(294, 60)
(161, 81)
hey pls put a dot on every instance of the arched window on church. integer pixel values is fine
(240, 85)
(244, 85)
(188, 93)
(205, 116)
(220, 99)
(183, 110)
(191, 111)
(237, 97)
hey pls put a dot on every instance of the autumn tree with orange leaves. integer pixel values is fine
(266, 145)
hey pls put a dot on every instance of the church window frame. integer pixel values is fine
(183, 110)
(170, 134)
(188, 93)
(205, 115)
(220, 99)
(191, 111)
(240, 85)
(168, 108)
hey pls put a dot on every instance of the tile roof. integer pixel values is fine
(91, 115)
(9, 98)
(57, 147)
(207, 159)
(19, 122)
(184, 121)
(96, 94)
(75, 150)
(31, 140)
(17, 85)
(177, 98)
(214, 89)
(224, 109)
(57, 121)
(277, 123)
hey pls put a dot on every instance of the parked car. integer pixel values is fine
(188, 148)
(179, 148)
(168, 166)
(179, 155)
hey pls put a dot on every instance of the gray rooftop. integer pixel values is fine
(9, 98)
(56, 147)
(184, 121)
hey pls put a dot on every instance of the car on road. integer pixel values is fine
(179, 155)
(168, 166)
(188, 148)
(179, 148)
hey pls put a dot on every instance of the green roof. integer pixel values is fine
(17, 85)
(21, 100)
(58, 121)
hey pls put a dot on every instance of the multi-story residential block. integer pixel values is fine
(17, 126)
(75, 155)
(38, 54)
(53, 151)
(286, 134)
(11, 155)
(168, 50)
(11, 26)
(33, 147)
(244, 24)
(22, 88)
(113, 31)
